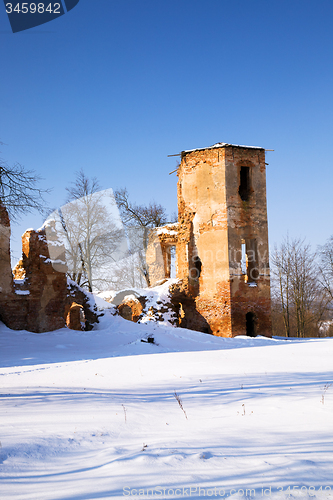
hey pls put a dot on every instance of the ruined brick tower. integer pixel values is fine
(222, 248)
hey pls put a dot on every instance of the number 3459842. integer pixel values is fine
(33, 8)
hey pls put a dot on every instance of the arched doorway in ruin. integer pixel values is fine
(75, 317)
(251, 324)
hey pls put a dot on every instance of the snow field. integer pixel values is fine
(94, 415)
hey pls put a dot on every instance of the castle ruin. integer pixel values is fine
(219, 249)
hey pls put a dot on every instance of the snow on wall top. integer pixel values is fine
(171, 229)
(221, 145)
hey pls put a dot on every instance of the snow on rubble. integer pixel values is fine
(103, 415)
(157, 302)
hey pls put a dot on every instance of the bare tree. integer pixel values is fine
(295, 276)
(325, 253)
(18, 190)
(93, 237)
(125, 273)
(139, 219)
(82, 186)
(281, 275)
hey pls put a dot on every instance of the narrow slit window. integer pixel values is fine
(198, 265)
(195, 269)
(249, 261)
(252, 261)
(244, 185)
(243, 259)
(169, 255)
(173, 261)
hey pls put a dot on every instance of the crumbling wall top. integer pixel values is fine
(220, 145)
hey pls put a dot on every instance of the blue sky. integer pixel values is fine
(113, 87)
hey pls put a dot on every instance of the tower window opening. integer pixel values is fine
(244, 185)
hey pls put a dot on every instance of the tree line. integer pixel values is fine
(302, 289)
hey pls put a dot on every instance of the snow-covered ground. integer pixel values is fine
(103, 415)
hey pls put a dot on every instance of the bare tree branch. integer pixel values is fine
(138, 219)
(18, 190)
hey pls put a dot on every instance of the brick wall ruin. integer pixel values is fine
(37, 296)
